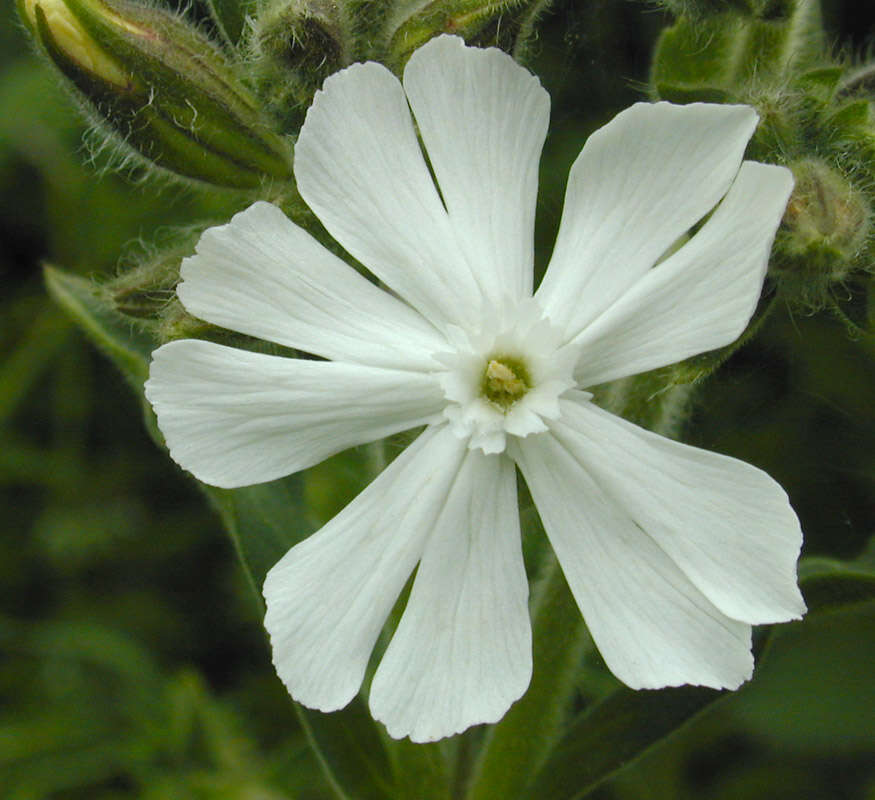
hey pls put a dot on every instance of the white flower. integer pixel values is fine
(672, 553)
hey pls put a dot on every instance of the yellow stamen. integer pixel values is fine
(505, 380)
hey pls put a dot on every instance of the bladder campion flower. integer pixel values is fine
(671, 552)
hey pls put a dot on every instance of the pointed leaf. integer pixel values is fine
(126, 343)
(264, 521)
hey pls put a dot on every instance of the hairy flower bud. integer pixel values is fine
(162, 87)
(299, 43)
(505, 23)
(826, 225)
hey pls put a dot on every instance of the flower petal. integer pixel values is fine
(264, 276)
(639, 183)
(483, 120)
(235, 418)
(702, 296)
(462, 651)
(651, 625)
(359, 167)
(726, 524)
(328, 597)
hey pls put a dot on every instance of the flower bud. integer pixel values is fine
(299, 43)
(71, 38)
(162, 88)
(507, 24)
(826, 225)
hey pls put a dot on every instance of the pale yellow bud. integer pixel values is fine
(69, 35)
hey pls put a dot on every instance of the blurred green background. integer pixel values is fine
(133, 659)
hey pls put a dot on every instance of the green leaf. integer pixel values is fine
(128, 344)
(420, 770)
(611, 734)
(34, 353)
(264, 521)
(829, 584)
(350, 751)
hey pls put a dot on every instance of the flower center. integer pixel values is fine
(505, 380)
(505, 377)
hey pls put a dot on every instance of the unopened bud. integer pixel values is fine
(504, 23)
(71, 38)
(826, 225)
(299, 43)
(162, 87)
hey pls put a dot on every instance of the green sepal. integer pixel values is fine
(692, 55)
(309, 40)
(229, 17)
(190, 83)
(823, 240)
(127, 111)
(822, 82)
(850, 119)
(613, 733)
